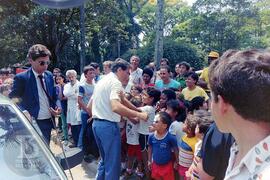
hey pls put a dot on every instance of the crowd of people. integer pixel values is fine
(6, 81)
(159, 124)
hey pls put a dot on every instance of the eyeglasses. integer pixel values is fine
(42, 63)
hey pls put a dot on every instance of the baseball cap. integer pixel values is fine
(213, 54)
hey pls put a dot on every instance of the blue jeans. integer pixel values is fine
(84, 118)
(107, 135)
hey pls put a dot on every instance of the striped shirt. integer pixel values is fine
(186, 151)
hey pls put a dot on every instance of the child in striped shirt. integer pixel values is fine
(205, 120)
(187, 145)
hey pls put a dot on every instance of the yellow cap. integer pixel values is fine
(213, 54)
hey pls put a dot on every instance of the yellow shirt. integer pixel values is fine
(190, 94)
(204, 75)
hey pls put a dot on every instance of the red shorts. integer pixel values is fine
(182, 171)
(134, 151)
(164, 172)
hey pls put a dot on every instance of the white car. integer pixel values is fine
(23, 153)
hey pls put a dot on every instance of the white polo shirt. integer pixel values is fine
(107, 89)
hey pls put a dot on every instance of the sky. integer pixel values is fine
(190, 2)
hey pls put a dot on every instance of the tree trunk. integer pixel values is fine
(82, 37)
(159, 32)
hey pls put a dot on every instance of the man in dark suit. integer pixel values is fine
(35, 89)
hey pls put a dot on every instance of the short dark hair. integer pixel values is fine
(94, 65)
(120, 63)
(88, 68)
(174, 104)
(167, 68)
(193, 75)
(184, 63)
(38, 50)
(155, 93)
(242, 79)
(62, 76)
(165, 118)
(148, 71)
(196, 103)
(179, 107)
(138, 87)
(204, 121)
(136, 101)
(164, 60)
(170, 94)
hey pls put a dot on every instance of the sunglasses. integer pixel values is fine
(42, 63)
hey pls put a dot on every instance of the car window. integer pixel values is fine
(22, 153)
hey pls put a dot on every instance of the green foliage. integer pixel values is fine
(173, 50)
(223, 25)
(174, 13)
(59, 30)
(190, 32)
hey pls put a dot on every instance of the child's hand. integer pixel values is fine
(134, 120)
(151, 128)
(188, 176)
(162, 110)
(55, 112)
(143, 116)
(149, 165)
(89, 120)
(175, 165)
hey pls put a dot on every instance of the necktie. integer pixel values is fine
(43, 87)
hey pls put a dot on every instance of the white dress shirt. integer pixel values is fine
(254, 165)
(44, 105)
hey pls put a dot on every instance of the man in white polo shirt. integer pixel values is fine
(107, 107)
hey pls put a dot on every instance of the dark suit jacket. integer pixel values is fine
(25, 88)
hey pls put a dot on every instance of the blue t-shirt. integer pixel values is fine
(86, 91)
(172, 84)
(162, 148)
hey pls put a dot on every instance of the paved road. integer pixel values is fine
(82, 171)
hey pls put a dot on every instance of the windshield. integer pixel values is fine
(23, 155)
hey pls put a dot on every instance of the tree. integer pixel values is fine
(222, 25)
(132, 8)
(59, 31)
(175, 51)
(174, 12)
(159, 32)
